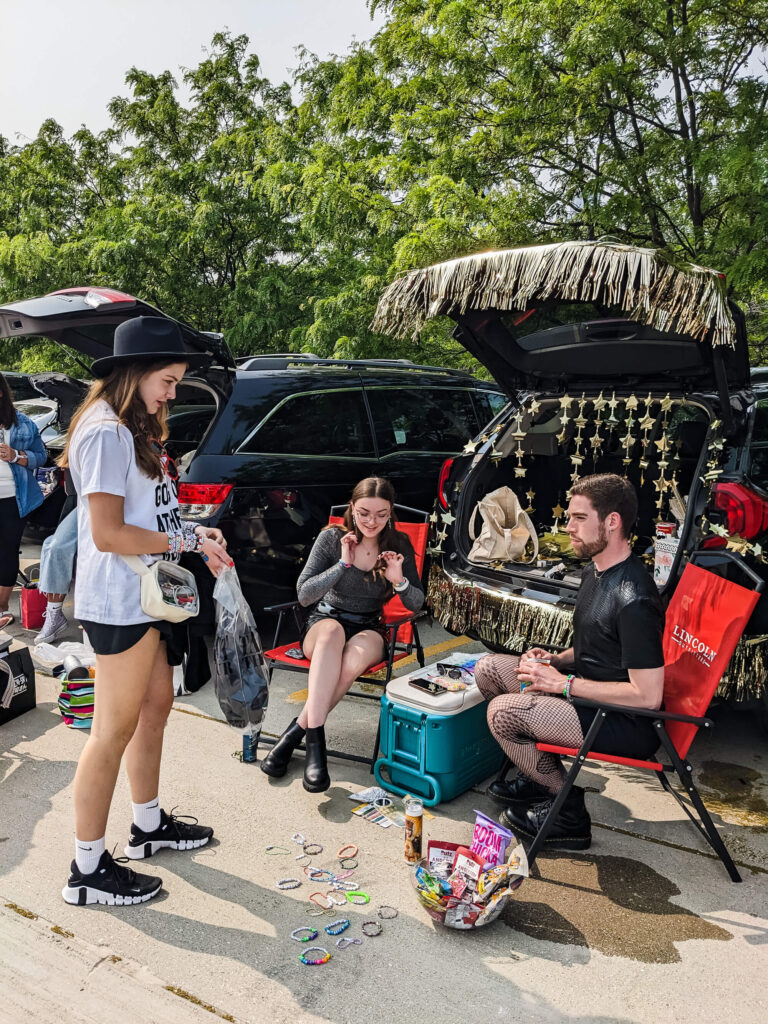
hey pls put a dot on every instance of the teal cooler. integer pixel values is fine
(435, 747)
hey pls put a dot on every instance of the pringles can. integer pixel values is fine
(414, 817)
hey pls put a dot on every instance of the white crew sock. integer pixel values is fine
(147, 816)
(88, 854)
(55, 606)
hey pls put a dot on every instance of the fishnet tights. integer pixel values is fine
(518, 720)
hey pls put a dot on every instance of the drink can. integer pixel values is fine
(414, 817)
(665, 529)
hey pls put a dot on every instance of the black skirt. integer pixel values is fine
(109, 639)
(351, 622)
(621, 734)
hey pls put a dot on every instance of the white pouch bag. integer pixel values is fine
(506, 529)
(167, 591)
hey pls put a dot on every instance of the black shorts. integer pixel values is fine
(352, 623)
(108, 639)
(622, 734)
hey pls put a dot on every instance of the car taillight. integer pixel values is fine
(445, 472)
(746, 513)
(200, 501)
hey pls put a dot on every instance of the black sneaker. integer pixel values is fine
(521, 790)
(571, 830)
(173, 834)
(110, 884)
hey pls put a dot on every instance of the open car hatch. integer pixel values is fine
(84, 319)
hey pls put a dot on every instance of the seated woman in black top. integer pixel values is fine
(351, 572)
(616, 658)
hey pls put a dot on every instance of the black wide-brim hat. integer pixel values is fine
(146, 339)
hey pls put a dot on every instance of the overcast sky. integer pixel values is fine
(67, 58)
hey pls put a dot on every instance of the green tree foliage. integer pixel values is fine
(460, 126)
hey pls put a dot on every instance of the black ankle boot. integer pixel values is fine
(521, 791)
(316, 777)
(572, 829)
(276, 761)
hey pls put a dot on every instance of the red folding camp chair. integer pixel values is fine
(705, 618)
(403, 634)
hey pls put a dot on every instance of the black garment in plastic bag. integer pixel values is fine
(241, 679)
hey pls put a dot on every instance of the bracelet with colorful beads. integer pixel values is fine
(307, 959)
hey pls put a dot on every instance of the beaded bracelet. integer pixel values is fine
(368, 925)
(390, 915)
(288, 883)
(306, 959)
(312, 849)
(343, 942)
(322, 895)
(401, 586)
(304, 938)
(358, 898)
(348, 863)
(344, 565)
(318, 874)
(343, 855)
(337, 903)
(337, 927)
(297, 837)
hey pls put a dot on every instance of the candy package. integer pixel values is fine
(490, 840)
(440, 857)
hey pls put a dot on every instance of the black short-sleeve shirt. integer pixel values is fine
(618, 622)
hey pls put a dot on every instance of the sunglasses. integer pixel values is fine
(169, 466)
(450, 670)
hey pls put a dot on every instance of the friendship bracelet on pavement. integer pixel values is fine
(304, 938)
(307, 959)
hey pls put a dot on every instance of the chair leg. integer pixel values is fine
(376, 743)
(417, 644)
(570, 778)
(504, 770)
(709, 832)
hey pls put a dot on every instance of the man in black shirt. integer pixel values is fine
(616, 658)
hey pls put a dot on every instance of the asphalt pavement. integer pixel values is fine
(645, 926)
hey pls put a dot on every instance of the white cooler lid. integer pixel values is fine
(451, 703)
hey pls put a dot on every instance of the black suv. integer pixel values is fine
(267, 444)
(592, 390)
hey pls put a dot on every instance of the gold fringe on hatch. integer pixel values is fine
(516, 623)
(689, 300)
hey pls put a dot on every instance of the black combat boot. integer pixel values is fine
(572, 828)
(521, 790)
(276, 761)
(316, 777)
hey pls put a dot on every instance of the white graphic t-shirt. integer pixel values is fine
(102, 461)
(7, 481)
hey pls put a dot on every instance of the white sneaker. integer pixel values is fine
(55, 624)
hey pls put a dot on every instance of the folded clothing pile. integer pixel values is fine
(76, 698)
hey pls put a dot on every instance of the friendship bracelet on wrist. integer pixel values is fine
(344, 565)
(401, 586)
(567, 687)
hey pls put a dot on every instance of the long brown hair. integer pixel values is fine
(8, 417)
(390, 538)
(120, 390)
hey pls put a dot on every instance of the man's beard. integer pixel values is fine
(596, 546)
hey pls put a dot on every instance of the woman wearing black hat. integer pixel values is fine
(126, 485)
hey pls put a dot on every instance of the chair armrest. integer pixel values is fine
(643, 712)
(401, 620)
(281, 607)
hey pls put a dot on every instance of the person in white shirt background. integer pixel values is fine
(127, 505)
(21, 453)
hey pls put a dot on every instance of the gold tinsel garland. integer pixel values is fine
(515, 623)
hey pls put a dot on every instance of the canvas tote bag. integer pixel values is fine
(505, 531)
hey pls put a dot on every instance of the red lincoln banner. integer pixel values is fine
(704, 622)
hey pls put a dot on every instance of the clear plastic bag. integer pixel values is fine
(240, 677)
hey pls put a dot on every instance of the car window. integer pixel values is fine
(488, 405)
(758, 450)
(320, 423)
(422, 419)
